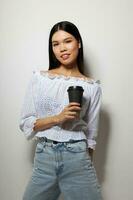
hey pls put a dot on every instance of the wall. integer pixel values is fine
(106, 28)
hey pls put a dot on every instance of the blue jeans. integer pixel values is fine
(63, 168)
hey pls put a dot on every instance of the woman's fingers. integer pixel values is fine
(73, 104)
(74, 108)
(71, 113)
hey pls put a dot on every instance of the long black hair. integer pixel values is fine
(73, 30)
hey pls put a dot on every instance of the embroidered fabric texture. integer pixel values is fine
(47, 95)
(53, 76)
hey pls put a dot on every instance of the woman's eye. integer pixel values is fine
(68, 41)
(55, 45)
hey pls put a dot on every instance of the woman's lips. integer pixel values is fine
(65, 56)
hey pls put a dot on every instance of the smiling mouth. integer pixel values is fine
(65, 56)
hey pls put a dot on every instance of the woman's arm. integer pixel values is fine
(93, 116)
(30, 123)
(68, 113)
(45, 123)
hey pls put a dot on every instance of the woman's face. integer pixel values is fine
(65, 47)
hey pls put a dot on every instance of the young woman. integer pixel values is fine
(66, 140)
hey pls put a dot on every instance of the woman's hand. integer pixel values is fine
(69, 113)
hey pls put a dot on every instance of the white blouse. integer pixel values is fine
(47, 95)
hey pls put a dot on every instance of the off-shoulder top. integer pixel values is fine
(46, 95)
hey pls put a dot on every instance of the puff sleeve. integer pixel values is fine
(28, 115)
(93, 115)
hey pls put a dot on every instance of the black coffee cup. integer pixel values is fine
(75, 94)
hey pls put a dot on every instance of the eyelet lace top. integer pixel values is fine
(59, 76)
(46, 95)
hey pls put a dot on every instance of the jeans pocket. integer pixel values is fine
(76, 147)
(39, 156)
(40, 147)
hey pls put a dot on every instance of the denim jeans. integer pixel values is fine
(63, 168)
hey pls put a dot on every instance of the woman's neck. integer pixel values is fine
(73, 71)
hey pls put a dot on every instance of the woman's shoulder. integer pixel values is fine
(42, 73)
(92, 80)
(36, 72)
(53, 73)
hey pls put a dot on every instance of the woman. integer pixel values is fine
(66, 132)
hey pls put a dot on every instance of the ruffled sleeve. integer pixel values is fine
(93, 115)
(28, 114)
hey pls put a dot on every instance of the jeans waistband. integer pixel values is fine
(44, 139)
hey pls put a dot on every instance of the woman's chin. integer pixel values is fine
(68, 64)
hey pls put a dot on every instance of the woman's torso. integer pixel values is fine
(51, 96)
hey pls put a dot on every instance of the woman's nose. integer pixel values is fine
(62, 47)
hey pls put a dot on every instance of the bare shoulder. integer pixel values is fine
(56, 72)
(86, 77)
(92, 80)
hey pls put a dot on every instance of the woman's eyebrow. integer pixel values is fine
(63, 40)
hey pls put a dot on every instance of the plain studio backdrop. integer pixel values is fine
(106, 29)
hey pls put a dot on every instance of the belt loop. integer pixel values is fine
(42, 139)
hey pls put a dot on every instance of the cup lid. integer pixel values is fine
(75, 88)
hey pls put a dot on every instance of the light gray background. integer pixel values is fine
(106, 28)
